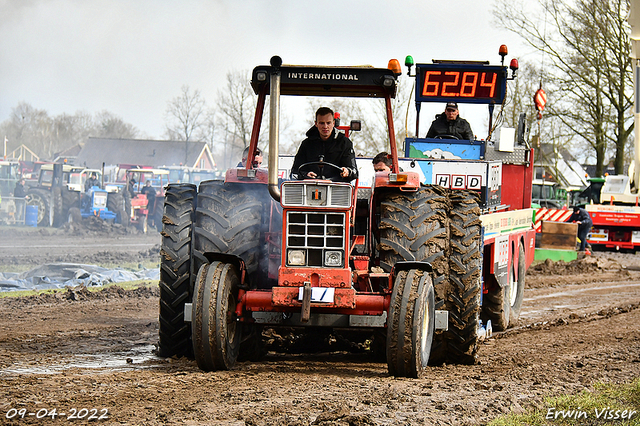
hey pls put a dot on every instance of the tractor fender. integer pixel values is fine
(234, 260)
(406, 265)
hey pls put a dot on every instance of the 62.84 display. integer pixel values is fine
(460, 83)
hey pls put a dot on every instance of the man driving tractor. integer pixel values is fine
(325, 145)
(449, 123)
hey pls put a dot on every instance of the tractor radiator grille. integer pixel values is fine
(316, 239)
(340, 196)
(293, 195)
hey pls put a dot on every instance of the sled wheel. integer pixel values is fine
(497, 306)
(215, 331)
(410, 324)
(517, 287)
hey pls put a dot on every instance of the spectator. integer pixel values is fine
(582, 218)
(382, 162)
(131, 187)
(150, 192)
(19, 192)
(449, 123)
(257, 160)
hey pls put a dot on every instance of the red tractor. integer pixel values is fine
(252, 252)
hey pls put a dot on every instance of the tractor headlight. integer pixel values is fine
(296, 257)
(333, 258)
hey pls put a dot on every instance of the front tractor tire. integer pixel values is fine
(175, 270)
(410, 324)
(413, 227)
(216, 333)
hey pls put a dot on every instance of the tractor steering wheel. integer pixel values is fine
(446, 137)
(316, 163)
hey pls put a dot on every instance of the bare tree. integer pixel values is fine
(587, 48)
(111, 126)
(235, 112)
(47, 135)
(207, 131)
(184, 115)
(236, 109)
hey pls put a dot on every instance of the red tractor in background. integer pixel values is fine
(397, 260)
(144, 196)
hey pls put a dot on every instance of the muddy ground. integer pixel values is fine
(79, 350)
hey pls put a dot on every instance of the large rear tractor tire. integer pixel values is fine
(126, 199)
(158, 214)
(42, 200)
(460, 343)
(115, 201)
(175, 270)
(57, 208)
(115, 204)
(410, 324)
(228, 220)
(216, 333)
(75, 216)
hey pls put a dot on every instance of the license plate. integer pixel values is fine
(319, 294)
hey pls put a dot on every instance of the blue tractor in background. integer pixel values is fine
(94, 203)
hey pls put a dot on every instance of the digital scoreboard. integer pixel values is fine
(464, 83)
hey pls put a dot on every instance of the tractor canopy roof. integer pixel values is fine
(148, 171)
(310, 80)
(66, 168)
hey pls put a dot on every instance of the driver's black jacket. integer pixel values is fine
(459, 128)
(337, 150)
(91, 182)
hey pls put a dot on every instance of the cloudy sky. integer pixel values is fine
(130, 57)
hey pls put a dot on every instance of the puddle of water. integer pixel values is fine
(580, 290)
(116, 361)
(537, 312)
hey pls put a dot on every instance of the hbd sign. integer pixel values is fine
(459, 181)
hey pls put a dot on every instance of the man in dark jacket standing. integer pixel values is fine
(582, 218)
(19, 191)
(450, 123)
(324, 143)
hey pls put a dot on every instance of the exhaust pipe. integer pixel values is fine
(274, 127)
